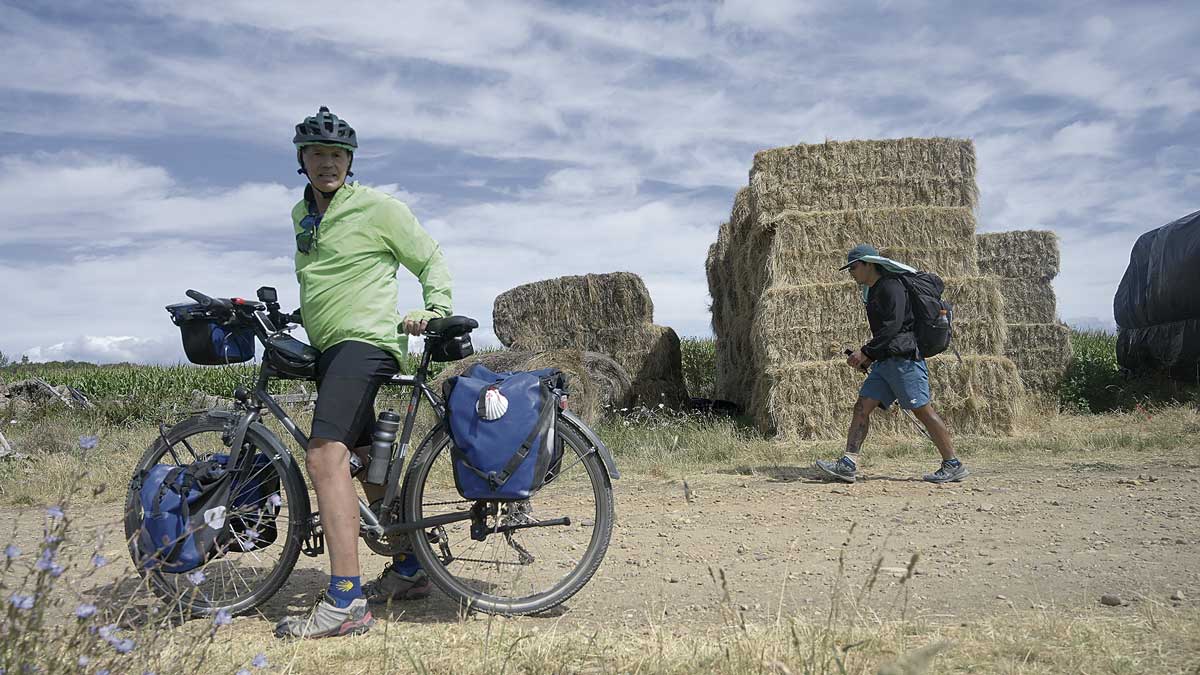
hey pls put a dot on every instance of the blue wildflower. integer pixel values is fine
(243, 671)
(99, 560)
(223, 618)
(54, 512)
(123, 646)
(84, 661)
(103, 671)
(196, 577)
(11, 551)
(88, 442)
(21, 601)
(260, 661)
(52, 539)
(108, 631)
(85, 611)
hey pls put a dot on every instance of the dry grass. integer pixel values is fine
(981, 395)
(534, 316)
(1028, 301)
(1021, 254)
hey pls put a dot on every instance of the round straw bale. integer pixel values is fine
(535, 316)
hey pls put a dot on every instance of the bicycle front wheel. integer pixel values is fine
(259, 554)
(519, 557)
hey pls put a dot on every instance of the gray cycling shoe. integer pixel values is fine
(327, 620)
(391, 586)
(947, 474)
(842, 469)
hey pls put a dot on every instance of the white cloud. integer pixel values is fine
(1083, 138)
(107, 349)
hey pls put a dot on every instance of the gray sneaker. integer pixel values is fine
(842, 469)
(391, 586)
(327, 620)
(947, 474)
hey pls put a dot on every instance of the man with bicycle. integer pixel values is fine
(350, 242)
(897, 372)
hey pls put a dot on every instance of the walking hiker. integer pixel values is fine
(897, 372)
(350, 242)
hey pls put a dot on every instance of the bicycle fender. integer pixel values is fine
(277, 446)
(601, 449)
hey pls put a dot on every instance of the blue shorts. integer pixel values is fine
(897, 379)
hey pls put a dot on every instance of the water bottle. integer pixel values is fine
(943, 321)
(383, 442)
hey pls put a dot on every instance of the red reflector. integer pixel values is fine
(239, 301)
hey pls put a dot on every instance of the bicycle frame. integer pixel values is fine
(251, 403)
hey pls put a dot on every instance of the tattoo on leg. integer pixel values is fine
(858, 434)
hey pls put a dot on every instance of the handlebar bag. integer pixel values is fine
(206, 340)
(502, 430)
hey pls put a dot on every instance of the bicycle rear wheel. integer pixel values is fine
(523, 570)
(249, 569)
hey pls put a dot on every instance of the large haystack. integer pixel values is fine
(1025, 263)
(607, 313)
(783, 313)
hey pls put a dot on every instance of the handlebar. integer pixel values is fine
(210, 302)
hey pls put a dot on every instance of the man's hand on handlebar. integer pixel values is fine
(414, 327)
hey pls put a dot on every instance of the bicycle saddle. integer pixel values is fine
(451, 326)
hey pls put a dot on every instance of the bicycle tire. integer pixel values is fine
(605, 515)
(295, 494)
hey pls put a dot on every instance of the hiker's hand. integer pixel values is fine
(414, 327)
(858, 360)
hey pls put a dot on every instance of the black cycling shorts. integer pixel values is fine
(349, 375)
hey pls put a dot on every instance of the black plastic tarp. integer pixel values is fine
(1171, 347)
(1162, 283)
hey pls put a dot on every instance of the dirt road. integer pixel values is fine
(1058, 535)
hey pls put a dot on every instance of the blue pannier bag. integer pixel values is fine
(502, 430)
(188, 517)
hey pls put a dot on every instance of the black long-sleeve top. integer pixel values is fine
(891, 320)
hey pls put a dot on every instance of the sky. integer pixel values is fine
(148, 148)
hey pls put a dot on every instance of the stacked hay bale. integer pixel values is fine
(783, 312)
(607, 313)
(1025, 263)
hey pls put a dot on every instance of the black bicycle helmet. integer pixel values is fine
(324, 128)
